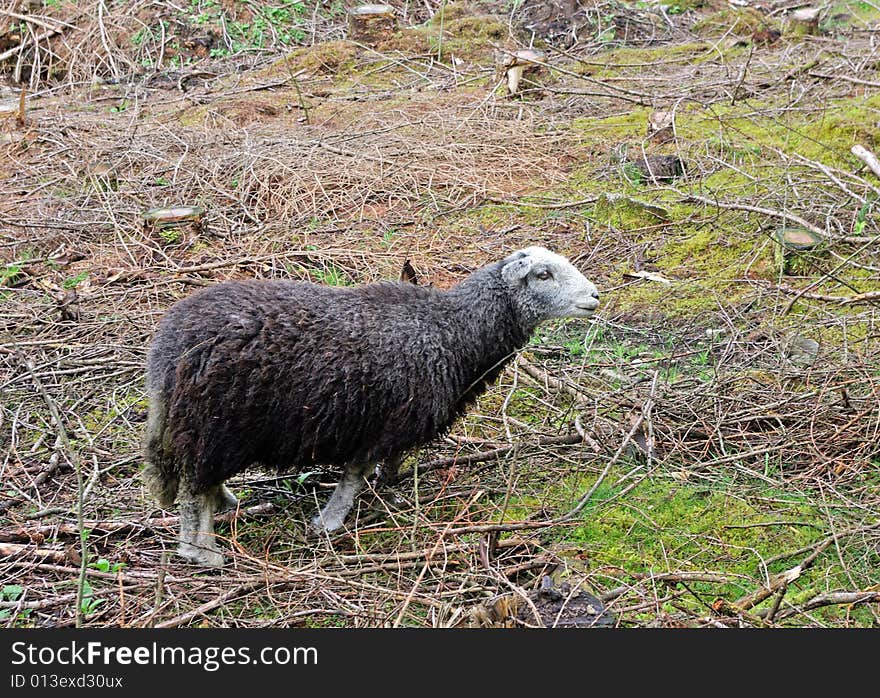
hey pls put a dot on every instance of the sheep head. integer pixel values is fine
(546, 285)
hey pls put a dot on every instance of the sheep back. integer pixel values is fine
(290, 374)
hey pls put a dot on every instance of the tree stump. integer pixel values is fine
(660, 126)
(170, 224)
(520, 66)
(804, 21)
(558, 607)
(658, 168)
(798, 250)
(371, 23)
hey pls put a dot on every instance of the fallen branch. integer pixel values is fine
(779, 583)
(843, 76)
(832, 598)
(15, 49)
(39, 604)
(41, 532)
(675, 577)
(868, 297)
(867, 157)
(16, 549)
(777, 214)
(494, 454)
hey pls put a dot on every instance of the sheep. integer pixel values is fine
(284, 374)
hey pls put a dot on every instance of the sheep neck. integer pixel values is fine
(495, 324)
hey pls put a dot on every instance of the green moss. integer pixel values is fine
(731, 152)
(481, 27)
(612, 128)
(451, 11)
(675, 525)
(327, 57)
(627, 60)
(740, 21)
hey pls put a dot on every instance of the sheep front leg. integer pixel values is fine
(197, 542)
(332, 516)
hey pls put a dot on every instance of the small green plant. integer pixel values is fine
(389, 235)
(121, 107)
(269, 24)
(862, 218)
(141, 35)
(672, 373)
(575, 347)
(331, 275)
(102, 564)
(161, 182)
(12, 593)
(633, 174)
(170, 235)
(89, 604)
(74, 281)
(9, 274)
(295, 484)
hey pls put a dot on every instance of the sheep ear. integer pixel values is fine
(515, 271)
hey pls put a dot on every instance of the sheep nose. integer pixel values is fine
(595, 294)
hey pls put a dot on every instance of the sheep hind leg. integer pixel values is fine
(386, 472)
(197, 542)
(332, 516)
(224, 499)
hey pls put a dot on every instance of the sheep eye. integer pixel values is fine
(543, 275)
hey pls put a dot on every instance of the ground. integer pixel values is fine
(704, 452)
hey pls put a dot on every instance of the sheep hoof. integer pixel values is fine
(201, 556)
(394, 501)
(321, 525)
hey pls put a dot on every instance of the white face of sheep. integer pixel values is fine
(548, 285)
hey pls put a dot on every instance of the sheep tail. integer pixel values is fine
(160, 475)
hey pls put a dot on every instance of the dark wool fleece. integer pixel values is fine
(289, 374)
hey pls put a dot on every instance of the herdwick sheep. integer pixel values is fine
(287, 374)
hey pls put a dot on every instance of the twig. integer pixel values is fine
(45, 35)
(494, 454)
(843, 76)
(233, 593)
(856, 299)
(98, 527)
(77, 466)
